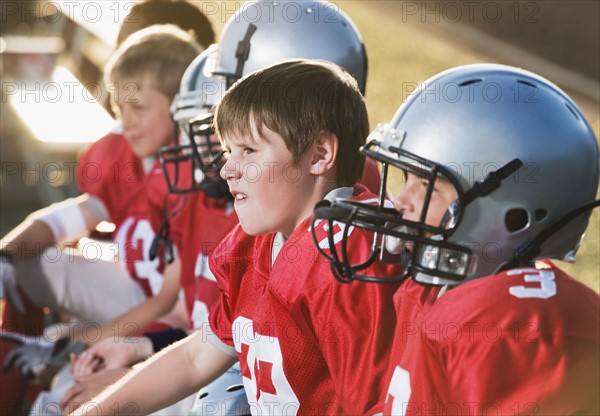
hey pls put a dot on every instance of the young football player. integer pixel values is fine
(123, 183)
(204, 217)
(304, 343)
(500, 175)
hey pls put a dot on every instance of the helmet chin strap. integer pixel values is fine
(162, 238)
(241, 53)
(480, 189)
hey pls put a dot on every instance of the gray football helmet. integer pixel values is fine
(521, 156)
(196, 151)
(262, 33)
(224, 396)
(199, 91)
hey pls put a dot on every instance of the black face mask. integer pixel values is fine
(216, 189)
(186, 164)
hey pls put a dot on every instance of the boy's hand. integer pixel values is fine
(85, 364)
(111, 353)
(8, 283)
(86, 387)
(38, 360)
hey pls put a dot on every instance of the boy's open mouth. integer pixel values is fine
(238, 196)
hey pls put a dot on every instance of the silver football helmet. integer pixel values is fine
(199, 91)
(196, 152)
(224, 396)
(521, 156)
(262, 33)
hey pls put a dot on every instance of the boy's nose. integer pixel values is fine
(403, 203)
(230, 170)
(126, 119)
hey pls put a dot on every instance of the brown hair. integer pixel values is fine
(298, 100)
(158, 54)
(180, 13)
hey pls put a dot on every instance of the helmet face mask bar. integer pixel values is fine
(193, 162)
(207, 158)
(348, 214)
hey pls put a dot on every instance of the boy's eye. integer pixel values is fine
(249, 150)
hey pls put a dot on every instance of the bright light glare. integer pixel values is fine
(62, 111)
(95, 250)
(102, 18)
(105, 227)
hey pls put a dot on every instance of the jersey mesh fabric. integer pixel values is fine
(523, 341)
(307, 344)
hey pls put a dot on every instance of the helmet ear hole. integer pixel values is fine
(540, 214)
(516, 219)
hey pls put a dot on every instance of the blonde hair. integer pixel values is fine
(158, 55)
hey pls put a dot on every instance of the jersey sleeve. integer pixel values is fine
(108, 170)
(92, 176)
(228, 264)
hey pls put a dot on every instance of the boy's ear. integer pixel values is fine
(324, 154)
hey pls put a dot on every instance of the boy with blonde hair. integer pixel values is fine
(122, 182)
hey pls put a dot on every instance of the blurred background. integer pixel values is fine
(54, 103)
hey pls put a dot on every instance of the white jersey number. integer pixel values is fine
(545, 278)
(339, 229)
(267, 387)
(201, 309)
(399, 391)
(136, 251)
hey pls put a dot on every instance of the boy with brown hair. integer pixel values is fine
(305, 343)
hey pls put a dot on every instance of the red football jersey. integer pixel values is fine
(525, 341)
(109, 170)
(196, 231)
(371, 178)
(306, 343)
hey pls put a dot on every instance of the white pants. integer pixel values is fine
(93, 291)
